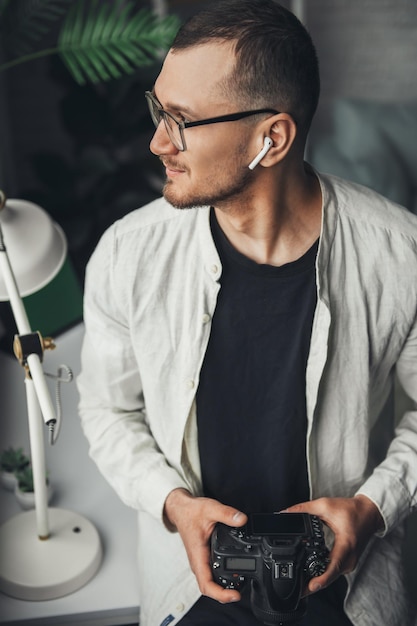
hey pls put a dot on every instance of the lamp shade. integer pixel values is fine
(36, 246)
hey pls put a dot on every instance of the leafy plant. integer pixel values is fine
(98, 41)
(106, 172)
(13, 461)
(25, 480)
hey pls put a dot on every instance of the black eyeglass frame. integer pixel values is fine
(231, 117)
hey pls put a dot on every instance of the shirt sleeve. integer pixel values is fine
(112, 406)
(393, 484)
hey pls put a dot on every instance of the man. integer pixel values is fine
(238, 356)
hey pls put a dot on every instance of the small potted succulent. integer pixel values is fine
(24, 489)
(12, 461)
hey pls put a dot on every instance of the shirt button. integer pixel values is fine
(180, 606)
(190, 384)
(214, 269)
(206, 318)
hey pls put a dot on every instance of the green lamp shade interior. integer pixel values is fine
(57, 306)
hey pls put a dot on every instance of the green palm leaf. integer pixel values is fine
(105, 41)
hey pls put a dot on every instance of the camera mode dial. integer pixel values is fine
(315, 565)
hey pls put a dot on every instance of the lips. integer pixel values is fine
(172, 169)
(171, 173)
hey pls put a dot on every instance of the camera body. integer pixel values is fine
(279, 553)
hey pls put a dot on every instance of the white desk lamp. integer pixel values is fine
(45, 553)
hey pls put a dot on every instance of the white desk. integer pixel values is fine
(111, 597)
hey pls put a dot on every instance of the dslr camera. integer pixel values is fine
(279, 553)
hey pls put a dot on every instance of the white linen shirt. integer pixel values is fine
(151, 290)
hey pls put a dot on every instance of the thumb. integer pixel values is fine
(302, 507)
(230, 516)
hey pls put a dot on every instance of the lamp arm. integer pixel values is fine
(42, 391)
(23, 328)
(16, 303)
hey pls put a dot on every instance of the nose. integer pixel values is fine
(161, 143)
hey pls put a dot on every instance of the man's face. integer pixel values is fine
(214, 167)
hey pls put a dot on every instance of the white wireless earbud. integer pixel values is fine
(267, 144)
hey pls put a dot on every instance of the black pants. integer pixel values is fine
(323, 608)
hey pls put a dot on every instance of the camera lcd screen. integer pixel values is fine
(234, 564)
(277, 524)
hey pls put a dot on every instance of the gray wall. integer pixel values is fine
(367, 49)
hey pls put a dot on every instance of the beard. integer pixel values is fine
(213, 191)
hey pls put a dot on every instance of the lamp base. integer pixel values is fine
(35, 569)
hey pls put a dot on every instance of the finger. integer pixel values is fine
(208, 587)
(320, 582)
(216, 592)
(334, 569)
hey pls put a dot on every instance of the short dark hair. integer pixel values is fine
(276, 61)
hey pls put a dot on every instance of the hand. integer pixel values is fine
(195, 519)
(353, 521)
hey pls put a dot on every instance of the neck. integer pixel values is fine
(279, 221)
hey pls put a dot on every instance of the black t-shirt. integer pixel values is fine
(251, 407)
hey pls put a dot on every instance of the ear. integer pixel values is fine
(283, 131)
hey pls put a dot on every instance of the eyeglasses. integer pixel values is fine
(175, 128)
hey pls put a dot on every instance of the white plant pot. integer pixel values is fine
(8, 480)
(26, 499)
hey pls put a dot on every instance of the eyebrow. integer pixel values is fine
(170, 106)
